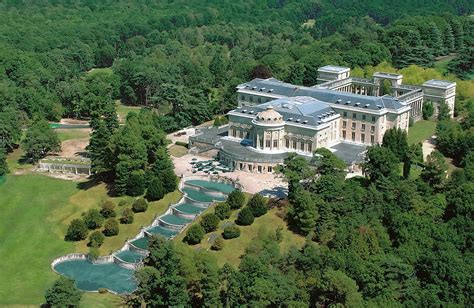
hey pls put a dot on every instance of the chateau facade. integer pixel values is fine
(342, 113)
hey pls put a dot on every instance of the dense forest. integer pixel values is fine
(380, 240)
(188, 57)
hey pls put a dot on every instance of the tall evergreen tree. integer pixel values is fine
(99, 149)
(435, 39)
(448, 39)
(304, 213)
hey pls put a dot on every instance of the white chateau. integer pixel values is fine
(342, 113)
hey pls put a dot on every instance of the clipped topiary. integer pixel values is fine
(123, 202)
(140, 205)
(107, 209)
(218, 244)
(245, 217)
(93, 219)
(222, 210)
(76, 231)
(258, 205)
(111, 227)
(230, 232)
(194, 235)
(236, 199)
(127, 216)
(96, 239)
(210, 222)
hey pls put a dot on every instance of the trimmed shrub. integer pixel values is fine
(223, 210)
(236, 199)
(155, 190)
(136, 183)
(258, 205)
(96, 239)
(93, 219)
(76, 231)
(123, 202)
(194, 235)
(107, 209)
(231, 232)
(111, 227)
(218, 244)
(210, 222)
(181, 143)
(127, 216)
(245, 217)
(140, 205)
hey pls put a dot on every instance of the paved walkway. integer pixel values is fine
(267, 184)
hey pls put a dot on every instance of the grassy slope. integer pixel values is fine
(30, 235)
(235, 248)
(441, 65)
(35, 211)
(421, 131)
(97, 300)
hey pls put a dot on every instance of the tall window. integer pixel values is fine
(344, 124)
(362, 127)
(364, 117)
(344, 114)
(242, 97)
(294, 144)
(267, 143)
(234, 133)
(275, 143)
(344, 134)
(354, 125)
(372, 139)
(241, 134)
(302, 146)
(310, 147)
(251, 98)
(372, 128)
(287, 143)
(362, 138)
(354, 115)
(373, 119)
(353, 136)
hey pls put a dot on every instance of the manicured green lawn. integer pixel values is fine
(31, 210)
(420, 131)
(177, 150)
(72, 133)
(235, 248)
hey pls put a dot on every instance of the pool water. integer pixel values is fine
(216, 186)
(189, 208)
(199, 196)
(175, 220)
(91, 277)
(163, 231)
(141, 242)
(130, 256)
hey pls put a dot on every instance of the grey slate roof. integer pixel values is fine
(275, 86)
(300, 109)
(439, 83)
